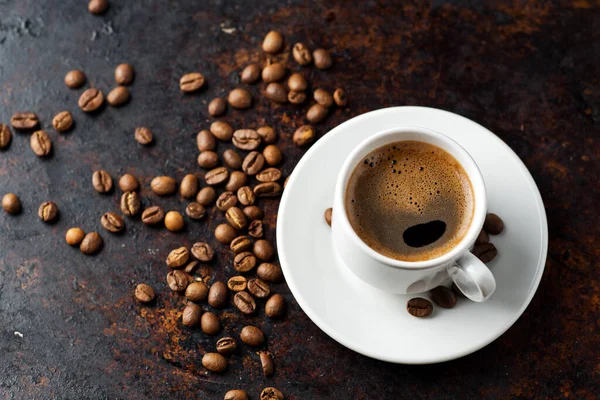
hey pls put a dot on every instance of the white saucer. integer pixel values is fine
(372, 322)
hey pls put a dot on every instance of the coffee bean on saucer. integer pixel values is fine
(91, 100)
(244, 262)
(266, 362)
(191, 315)
(205, 140)
(208, 159)
(236, 394)
(40, 143)
(178, 257)
(118, 96)
(63, 121)
(258, 288)
(221, 130)
(251, 335)
(296, 97)
(493, 224)
(252, 212)
(328, 214)
(217, 107)
(112, 222)
(196, 291)
(214, 362)
(263, 250)
(11, 203)
(272, 155)
(255, 229)
(225, 233)
(191, 82)
(195, 210)
(75, 79)
(5, 136)
(97, 7)
(203, 251)
(232, 159)
(485, 252)
(322, 59)
(124, 74)
(268, 189)
(245, 303)
(226, 200)
(102, 181)
(237, 283)
(177, 280)
(275, 306)
(74, 236)
(163, 185)
(482, 238)
(237, 179)
(419, 307)
(189, 186)
(269, 272)
(47, 211)
(240, 98)
(206, 196)
(272, 42)
(277, 92)
(217, 295)
(296, 82)
(267, 134)
(174, 221)
(340, 98)
(246, 196)
(253, 163)
(250, 74)
(210, 323)
(153, 215)
(143, 135)
(304, 136)
(226, 345)
(316, 113)
(91, 243)
(273, 72)
(236, 218)
(271, 393)
(323, 97)
(246, 139)
(24, 120)
(301, 54)
(216, 176)
(443, 297)
(144, 293)
(269, 175)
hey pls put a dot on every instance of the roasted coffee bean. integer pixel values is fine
(273, 42)
(236, 395)
(203, 251)
(5, 136)
(253, 163)
(217, 295)
(340, 98)
(143, 135)
(124, 74)
(163, 185)
(267, 134)
(419, 307)
(263, 250)
(189, 186)
(210, 323)
(216, 176)
(258, 288)
(130, 204)
(75, 79)
(301, 54)
(206, 196)
(178, 257)
(195, 210)
(102, 181)
(482, 238)
(269, 175)
(237, 283)
(221, 130)
(443, 297)
(91, 243)
(271, 393)
(226, 200)
(456, 290)
(272, 155)
(236, 218)
(304, 136)
(296, 97)
(269, 272)
(296, 82)
(24, 120)
(191, 315)
(91, 100)
(275, 306)
(191, 82)
(47, 211)
(256, 228)
(244, 262)
(232, 159)
(237, 179)
(205, 140)
(253, 212)
(276, 91)
(214, 362)
(316, 113)
(485, 252)
(328, 214)
(144, 293)
(97, 7)
(74, 236)
(40, 143)
(112, 222)
(174, 221)
(266, 362)
(251, 335)
(177, 280)
(493, 224)
(191, 267)
(153, 215)
(118, 96)
(245, 303)
(11, 203)
(196, 291)
(225, 233)
(63, 121)
(226, 345)
(217, 107)
(246, 196)
(323, 97)
(246, 139)
(240, 98)
(250, 74)
(322, 59)
(208, 159)
(273, 72)
(268, 189)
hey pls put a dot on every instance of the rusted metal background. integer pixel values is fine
(526, 70)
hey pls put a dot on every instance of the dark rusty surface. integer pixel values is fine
(527, 71)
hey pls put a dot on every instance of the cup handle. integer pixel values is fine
(472, 277)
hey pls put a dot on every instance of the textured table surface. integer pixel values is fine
(69, 327)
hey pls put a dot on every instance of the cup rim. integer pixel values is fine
(473, 173)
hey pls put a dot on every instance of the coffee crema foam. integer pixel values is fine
(405, 184)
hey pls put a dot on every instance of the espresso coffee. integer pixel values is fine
(410, 201)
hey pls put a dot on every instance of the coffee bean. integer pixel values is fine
(443, 297)
(482, 238)
(153, 215)
(178, 257)
(237, 283)
(210, 324)
(236, 395)
(102, 181)
(316, 113)
(225, 233)
(256, 229)
(232, 159)
(177, 280)
(323, 97)
(456, 290)
(226, 345)
(191, 315)
(296, 82)
(340, 98)
(268, 189)
(419, 307)
(217, 295)
(271, 393)
(214, 362)
(63, 121)
(11, 203)
(118, 96)
(263, 250)
(91, 243)
(485, 252)
(296, 97)
(130, 204)
(91, 100)
(269, 272)
(322, 59)
(493, 224)
(301, 54)
(236, 218)
(208, 159)
(245, 303)
(128, 183)
(252, 212)
(273, 72)
(217, 107)
(189, 186)
(191, 82)
(276, 92)
(112, 222)
(246, 196)
(74, 236)
(205, 140)
(47, 211)
(267, 134)
(266, 362)
(97, 7)
(5, 136)
(196, 291)
(195, 210)
(226, 200)
(250, 74)
(269, 175)
(258, 288)
(174, 221)
(203, 251)
(275, 306)
(237, 179)
(191, 267)
(206, 196)
(304, 136)
(246, 139)
(40, 143)
(244, 262)
(143, 135)
(144, 293)
(221, 130)
(240, 98)
(328, 214)
(272, 155)
(24, 120)
(163, 185)
(273, 42)
(75, 79)
(251, 335)
(253, 163)
(124, 74)
(216, 176)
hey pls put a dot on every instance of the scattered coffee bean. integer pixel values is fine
(271, 393)
(296, 97)
(191, 315)
(221, 130)
(273, 42)
(253, 163)
(191, 82)
(226, 200)
(205, 140)
(177, 280)
(24, 120)
(246, 139)
(245, 303)
(124, 74)
(328, 214)
(304, 136)
(258, 288)
(244, 262)
(251, 335)
(443, 297)
(217, 107)
(102, 181)
(236, 218)
(323, 97)
(216, 176)
(144, 293)
(217, 295)
(322, 59)
(118, 96)
(195, 210)
(74, 236)
(316, 113)
(232, 159)
(266, 362)
(256, 229)
(273, 72)
(272, 155)
(419, 307)
(237, 179)
(237, 283)
(130, 204)
(240, 98)
(191, 267)
(63, 121)
(128, 183)
(153, 215)
(301, 54)
(47, 211)
(196, 291)
(263, 250)
(269, 175)
(296, 82)
(226, 345)
(225, 233)
(91, 243)
(269, 272)
(210, 323)
(276, 91)
(189, 186)
(174, 221)
(493, 224)
(340, 98)
(11, 203)
(91, 100)
(75, 79)
(97, 7)
(267, 134)
(206, 196)
(214, 362)
(485, 252)
(203, 251)
(252, 212)
(250, 74)
(482, 238)
(236, 395)
(275, 306)
(268, 189)
(208, 159)
(163, 185)
(5, 136)
(143, 135)
(112, 222)
(40, 143)
(178, 257)
(246, 196)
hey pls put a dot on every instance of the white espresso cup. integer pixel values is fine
(469, 274)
